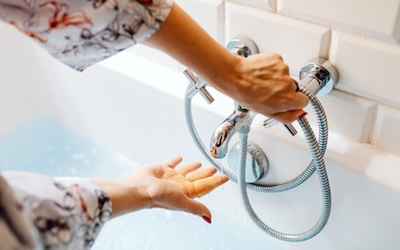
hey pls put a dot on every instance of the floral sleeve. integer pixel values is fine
(50, 213)
(82, 32)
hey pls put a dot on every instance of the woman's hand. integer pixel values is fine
(163, 185)
(262, 83)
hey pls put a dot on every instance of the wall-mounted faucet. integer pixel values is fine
(222, 135)
(318, 77)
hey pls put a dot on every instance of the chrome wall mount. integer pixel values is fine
(242, 46)
(257, 165)
(318, 76)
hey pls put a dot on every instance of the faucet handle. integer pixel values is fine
(198, 85)
(289, 127)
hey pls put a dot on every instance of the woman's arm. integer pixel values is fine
(42, 211)
(260, 82)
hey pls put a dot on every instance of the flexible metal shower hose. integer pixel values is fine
(317, 150)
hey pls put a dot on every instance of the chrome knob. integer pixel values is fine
(242, 46)
(318, 76)
(289, 127)
(198, 85)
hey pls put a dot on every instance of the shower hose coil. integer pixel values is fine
(317, 164)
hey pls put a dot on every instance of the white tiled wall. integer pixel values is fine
(277, 33)
(378, 19)
(386, 133)
(208, 13)
(360, 37)
(348, 116)
(368, 67)
(263, 4)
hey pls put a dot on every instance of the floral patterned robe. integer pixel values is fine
(40, 212)
(83, 32)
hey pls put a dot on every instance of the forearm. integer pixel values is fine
(182, 38)
(126, 196)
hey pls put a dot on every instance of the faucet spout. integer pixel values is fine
(221, 137)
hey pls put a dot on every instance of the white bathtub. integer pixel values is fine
(133, 107)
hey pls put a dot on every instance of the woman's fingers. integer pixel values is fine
(202, 181)
(299, 101)
(204, 186)
(200, 174)
(196, 208)
(289, 116)
(184, 170)
(173, 162)
(288, 99)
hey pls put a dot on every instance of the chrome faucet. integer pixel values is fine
(241, 117)
(221, 137)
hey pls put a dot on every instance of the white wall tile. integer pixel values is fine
(367, 67)
(296, 41)
(347, 115)
(386, 133)
(379, 19)
(263, 4)
(208, 13)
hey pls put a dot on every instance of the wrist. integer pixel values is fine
(228, 76)
(126, 195)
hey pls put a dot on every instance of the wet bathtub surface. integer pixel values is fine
(161, 230)
(44, 145)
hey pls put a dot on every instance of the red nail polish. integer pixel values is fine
(208, 220)
(303, 115)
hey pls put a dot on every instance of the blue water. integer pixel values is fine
(43, 145)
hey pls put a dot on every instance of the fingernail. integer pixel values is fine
(208, 220)
(302, 115)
